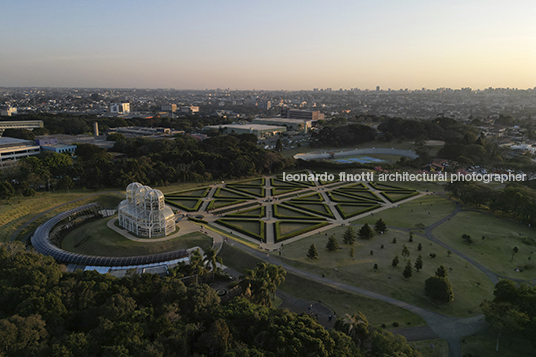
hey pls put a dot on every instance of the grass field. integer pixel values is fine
(106, 242)
(495, 251)
(414, 212)
(22, 209)
(339, 301)
(288, 229)
(485, 344)
(440, 347)
(470, 285)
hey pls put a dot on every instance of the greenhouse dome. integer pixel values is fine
(144, 212)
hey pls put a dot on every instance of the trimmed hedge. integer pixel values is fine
(313, 197)
(393, 200)
(260, 236)
(285, 190)
(282, 216)
(365, 209)
(245, 214)
(297, 205)
(232, 209)
(242, 189)
(181, 193)
(178, 205)
(229, 201)
(238, 195)
(279, 237)
(352, 197)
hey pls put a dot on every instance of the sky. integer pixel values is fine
(268, 45)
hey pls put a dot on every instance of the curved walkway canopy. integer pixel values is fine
(41, 242)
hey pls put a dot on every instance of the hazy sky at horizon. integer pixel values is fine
(268, 45)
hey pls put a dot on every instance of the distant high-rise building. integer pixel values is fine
(301, 114)
(377, 88)
(120, 108)
(189, 109)
(265, 105)
(8, 111)
(169, 108)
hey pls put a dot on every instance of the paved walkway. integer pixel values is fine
(447, 327)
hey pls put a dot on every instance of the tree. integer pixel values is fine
(349, 236)
(312, 253)
(418, 263)
(394, 240)
(395, 261)
(6, 190)
(514, 251)
(441, 272)
(411, 236)
(439, 289)
(352, 252)
(115, 137)
(408, 270)
(332, 244)
(380, 226)
(467, 238)
(365, 232)
(275, 276)
(211, 258)
(65, 182)
(512, 309)
(419, 247)
(405, 252)
(375, 267)
(279, 145)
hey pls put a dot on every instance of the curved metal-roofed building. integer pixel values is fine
(41, 242)
(144, 212)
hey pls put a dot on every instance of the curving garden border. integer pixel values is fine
(41, 242)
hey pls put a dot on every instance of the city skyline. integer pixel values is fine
(268, 46)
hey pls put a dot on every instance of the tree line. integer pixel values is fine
(515, 199)
(47, 312)
(151, 161)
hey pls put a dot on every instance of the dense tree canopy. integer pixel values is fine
(44, 312)
(345, 135)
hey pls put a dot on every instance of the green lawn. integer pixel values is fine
(106, 242)
(350, 210)
(470, 285)
(495, 251)
(254, 227)
(250, 190)
(486, 343)
(440, 347)
(276, 191)
(250, 226)
(21, 209)
(414, 212)
(339, 301)
(288, 229)
(187, 204)
(223, 192)
(201, 192)
(220, 203)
